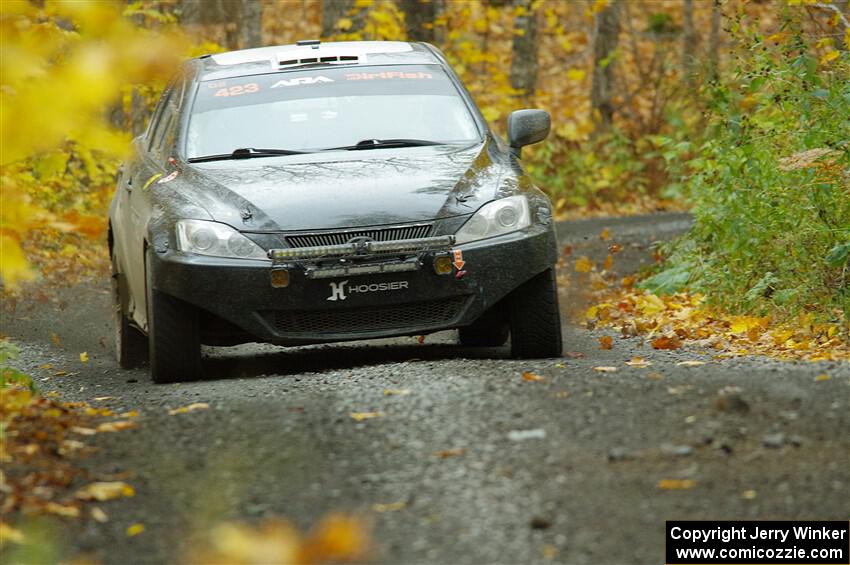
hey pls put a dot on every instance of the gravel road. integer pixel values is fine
(579, 487)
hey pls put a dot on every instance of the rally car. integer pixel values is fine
(324, 192)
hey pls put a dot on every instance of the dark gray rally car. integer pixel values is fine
(324, 192)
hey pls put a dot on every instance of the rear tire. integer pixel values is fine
(535, 318)
(131, 346)
(490, 330)
(174, 336)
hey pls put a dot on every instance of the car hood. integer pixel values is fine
(348, 188)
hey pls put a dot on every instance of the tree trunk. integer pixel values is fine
(714, 40)
(524, 54)
(333, 11)
(689, 41)
(250, 23)
(605, 37)
(419, 16)
(843, 7)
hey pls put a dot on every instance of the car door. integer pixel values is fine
(150, 165)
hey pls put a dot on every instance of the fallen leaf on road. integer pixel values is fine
(575, 355)
(609, 262)
(676, 484)
(130, 414)
(360, 416)
(57, 341)
(99, 515)
(665, 342)
(421, 339)
(83, 431)
(748, 494)
(638, 362)
(821, 378)
(189, 408)
(561, 394)
(105, 491)
(655, 376)
(690, 363)
(391, 507)
(457, 451)
(102, 398)
(522, 435)
(529, 376)
(615, 248)
(549, 552)
(135, 529)
(396, 391)
(62, 510)
(679, 389)
(606, 342)
(605, 369)
(8, 534)
(84, 357)
(583, 265)
(605, 235)
(45, 366)
(116, 426)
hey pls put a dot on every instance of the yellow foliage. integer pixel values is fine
(62, 65)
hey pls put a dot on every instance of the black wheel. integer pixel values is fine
(173, 333)
(131, 345)
(535, 318)
(490, 330)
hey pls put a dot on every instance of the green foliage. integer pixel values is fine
(771, 184)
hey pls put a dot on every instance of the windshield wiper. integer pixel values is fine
(246, 153)
(382, 143)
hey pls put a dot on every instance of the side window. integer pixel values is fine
(155, 126)
(165, 134)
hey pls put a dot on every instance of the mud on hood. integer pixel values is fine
(347, 189)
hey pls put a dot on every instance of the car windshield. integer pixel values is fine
(324, 107)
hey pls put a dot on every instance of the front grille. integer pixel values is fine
(380, 318)
(344, 236)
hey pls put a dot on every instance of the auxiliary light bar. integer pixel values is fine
(363, 248)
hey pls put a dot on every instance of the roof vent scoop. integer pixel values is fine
(326, 59)
(314, 43)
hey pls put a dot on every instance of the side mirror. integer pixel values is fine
(526, 127)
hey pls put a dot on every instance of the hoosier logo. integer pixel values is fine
(339, 290)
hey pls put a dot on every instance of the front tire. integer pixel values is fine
(131, 346)
(174, 336)
(535, 318)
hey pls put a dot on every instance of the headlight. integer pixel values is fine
(496, 218)
(217, 240)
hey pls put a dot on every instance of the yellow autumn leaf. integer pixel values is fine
(829, 57)
(605, 369)
(529, 376)
(676, 484)
(690, 363)
(116, 426)
(638, 362)
(8, 534)
(396, 391)
(135, 529)
(389, 507)
(84, 357)
(360, 416)
(190, 408)
(821, 378)
(583, 265)
(576, 74)
(649, 304)
(344, 24)
(105, 491)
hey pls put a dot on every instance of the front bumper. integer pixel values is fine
(239, 292)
